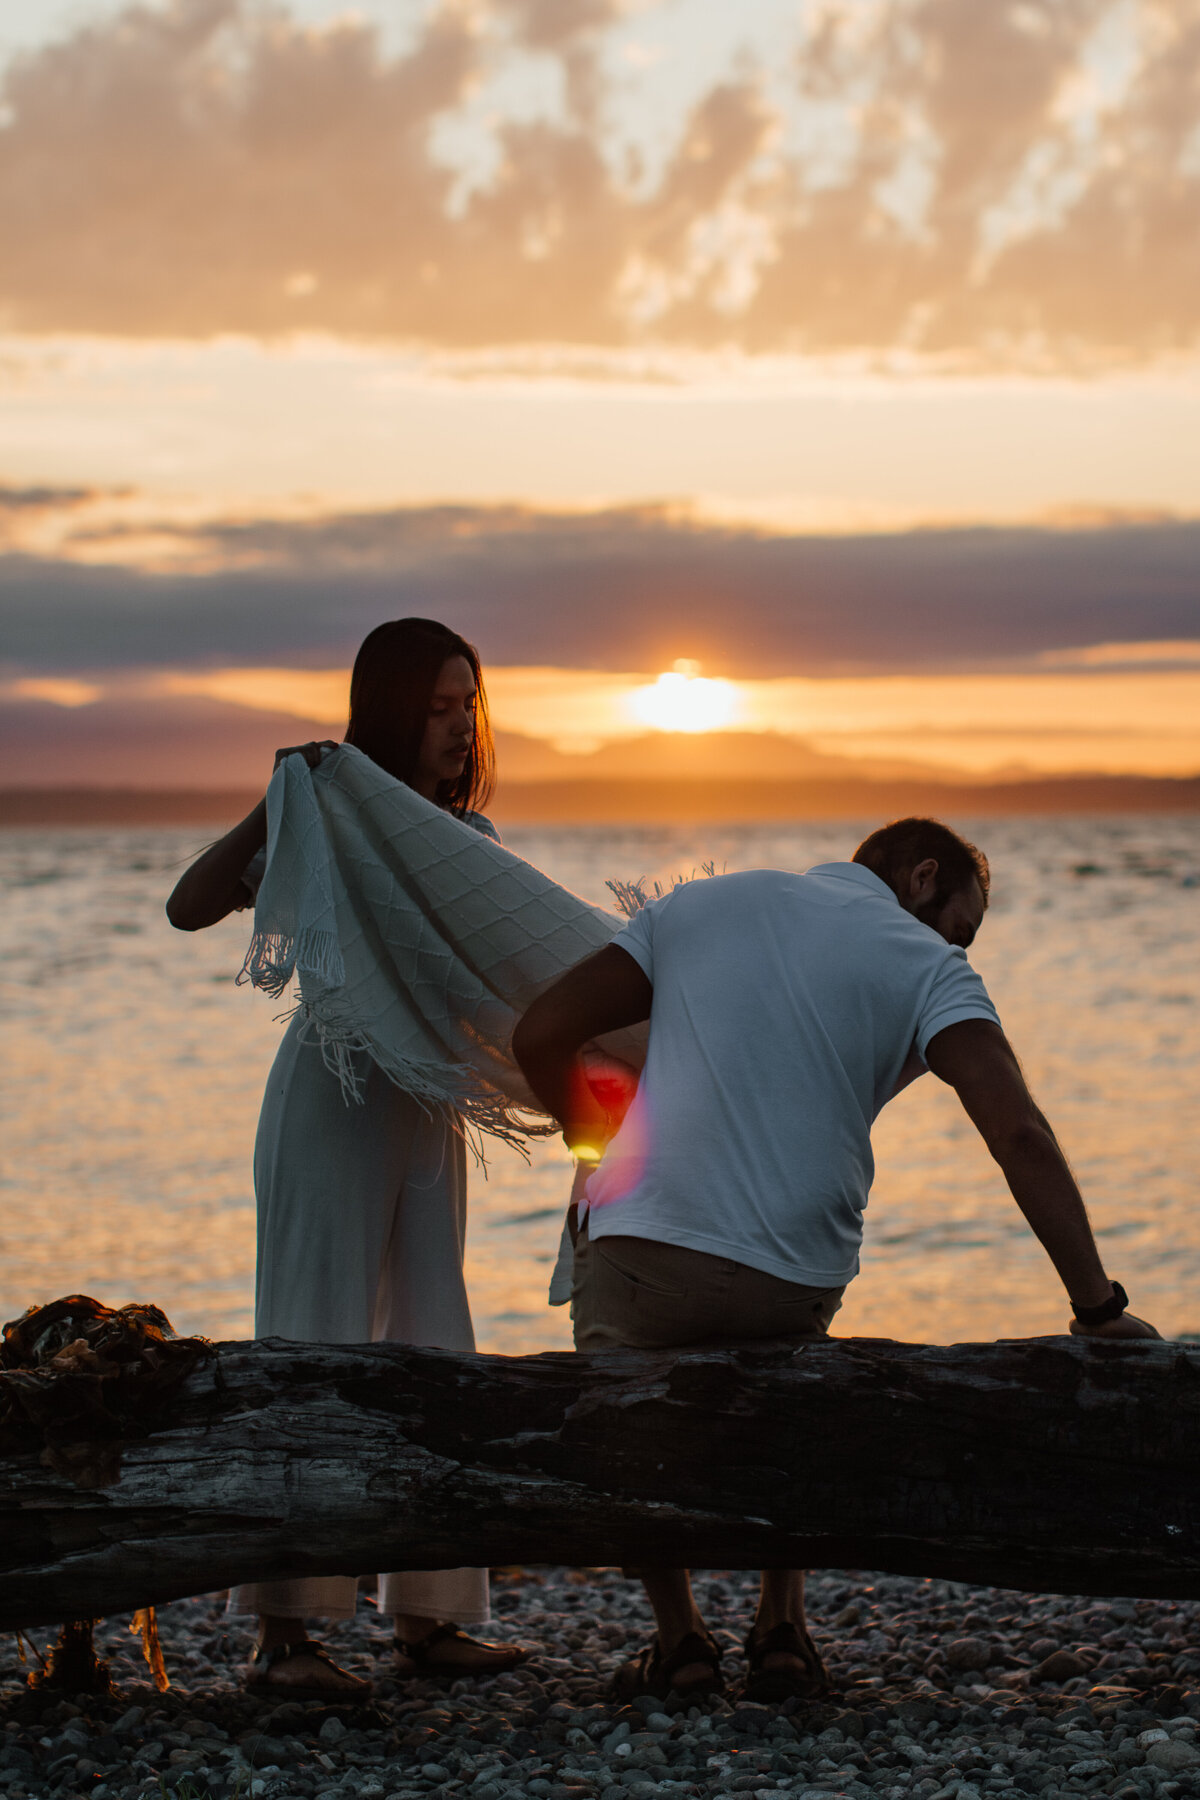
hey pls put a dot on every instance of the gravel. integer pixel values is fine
(943, 1691)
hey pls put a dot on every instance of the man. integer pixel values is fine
(785, 1010)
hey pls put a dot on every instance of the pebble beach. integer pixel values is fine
(941, 1690)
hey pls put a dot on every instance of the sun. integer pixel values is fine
(683, 700)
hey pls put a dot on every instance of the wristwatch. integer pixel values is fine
(1108, 1309)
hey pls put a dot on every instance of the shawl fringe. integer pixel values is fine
(471, 1107)
(273, 958)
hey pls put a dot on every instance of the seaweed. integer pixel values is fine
(80, 1380)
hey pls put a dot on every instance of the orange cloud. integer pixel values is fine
(997, 197)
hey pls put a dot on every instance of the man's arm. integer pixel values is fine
(976, 1059)
(604, 993)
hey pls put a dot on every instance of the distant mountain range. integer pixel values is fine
(195, 741)
(189, 758)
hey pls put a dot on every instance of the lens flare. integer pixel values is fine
(684, 700)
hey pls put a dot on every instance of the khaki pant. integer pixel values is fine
(646, 1296)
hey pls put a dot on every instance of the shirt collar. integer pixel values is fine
(856, 872)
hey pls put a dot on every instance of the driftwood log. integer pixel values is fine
(1051, 1464)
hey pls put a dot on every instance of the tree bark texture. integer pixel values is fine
(1052, 1464)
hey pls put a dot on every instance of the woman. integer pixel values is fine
(362, 1208)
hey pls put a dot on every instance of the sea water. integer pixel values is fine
(132, 1069)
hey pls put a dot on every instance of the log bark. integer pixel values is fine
(1053, 1465)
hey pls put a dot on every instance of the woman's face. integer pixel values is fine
(449, 727)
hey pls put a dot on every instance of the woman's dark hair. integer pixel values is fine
(391, 687)
(894, 851)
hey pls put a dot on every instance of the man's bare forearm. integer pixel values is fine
(976, 1059)
(1041, 1183)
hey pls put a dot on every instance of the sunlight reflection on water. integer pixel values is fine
(133, 1068)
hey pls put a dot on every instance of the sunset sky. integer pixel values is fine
(843, 355)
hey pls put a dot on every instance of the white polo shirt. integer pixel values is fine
(785, 1009)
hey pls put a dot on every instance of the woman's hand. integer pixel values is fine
(312, 753)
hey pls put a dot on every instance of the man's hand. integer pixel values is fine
(1126, 1326)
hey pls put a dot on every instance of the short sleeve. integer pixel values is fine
(637, 938)
(957, 993)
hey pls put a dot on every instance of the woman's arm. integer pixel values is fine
(212, 887)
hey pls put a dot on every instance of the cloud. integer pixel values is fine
(997, 195)
(44, 517)
(631, 588)
(43, 498)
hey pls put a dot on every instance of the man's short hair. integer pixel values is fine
(894, 851)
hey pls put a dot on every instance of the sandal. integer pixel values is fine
(650, 1672)
(345, 1687)
(767, 1686)
(506, 1656)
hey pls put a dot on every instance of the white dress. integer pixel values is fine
(362, 1216)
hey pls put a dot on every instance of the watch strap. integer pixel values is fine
(1112, 1308)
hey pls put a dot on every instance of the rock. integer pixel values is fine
(553, 1737)
(261, 1751)
(1173, 1754)
(911, 1713)
(1061, 1665)
(1170, 1701)
(969, 1653)
(749, 1716)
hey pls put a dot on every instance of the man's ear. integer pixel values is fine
(923, 880)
